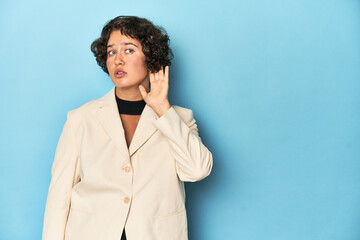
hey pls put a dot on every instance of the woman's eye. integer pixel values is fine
(129, 50)
(111, 53)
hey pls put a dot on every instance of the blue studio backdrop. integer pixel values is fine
(274, 86)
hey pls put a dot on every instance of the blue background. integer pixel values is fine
(275, 89)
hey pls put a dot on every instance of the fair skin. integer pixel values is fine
(128, 71)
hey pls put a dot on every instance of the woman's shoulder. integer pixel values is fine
(182, 110)
(92, 106)
(186, 114)
(87, 110)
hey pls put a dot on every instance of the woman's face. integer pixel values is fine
(126, 62)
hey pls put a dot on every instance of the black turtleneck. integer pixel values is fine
(130, 107)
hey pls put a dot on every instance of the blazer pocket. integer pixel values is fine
(172, 227)
(79, 220)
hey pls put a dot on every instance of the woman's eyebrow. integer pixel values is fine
(129, 43)
(124, 43)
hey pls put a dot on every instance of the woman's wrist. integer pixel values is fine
(161, 109)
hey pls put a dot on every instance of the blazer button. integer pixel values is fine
(127, 169)
(126, 200)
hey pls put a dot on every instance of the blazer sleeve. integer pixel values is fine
(193, 160)
(64, 175)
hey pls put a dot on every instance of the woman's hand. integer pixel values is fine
(157, 98)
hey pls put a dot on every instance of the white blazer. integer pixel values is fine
(99, 185)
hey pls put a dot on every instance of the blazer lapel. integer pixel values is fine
(108, 115)
(144, 130)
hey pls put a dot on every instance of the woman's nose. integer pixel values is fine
(119, 59)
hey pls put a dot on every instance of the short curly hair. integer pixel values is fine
(154, 41)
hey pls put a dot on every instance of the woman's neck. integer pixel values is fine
(132, 93)
(128, 95)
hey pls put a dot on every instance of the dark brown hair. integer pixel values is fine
(153, 39)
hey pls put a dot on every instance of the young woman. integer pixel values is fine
(122, 159)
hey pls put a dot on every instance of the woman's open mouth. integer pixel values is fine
(119, 74)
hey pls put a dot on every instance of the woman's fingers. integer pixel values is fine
(162, 74)
(158, 94)
(152, 77)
